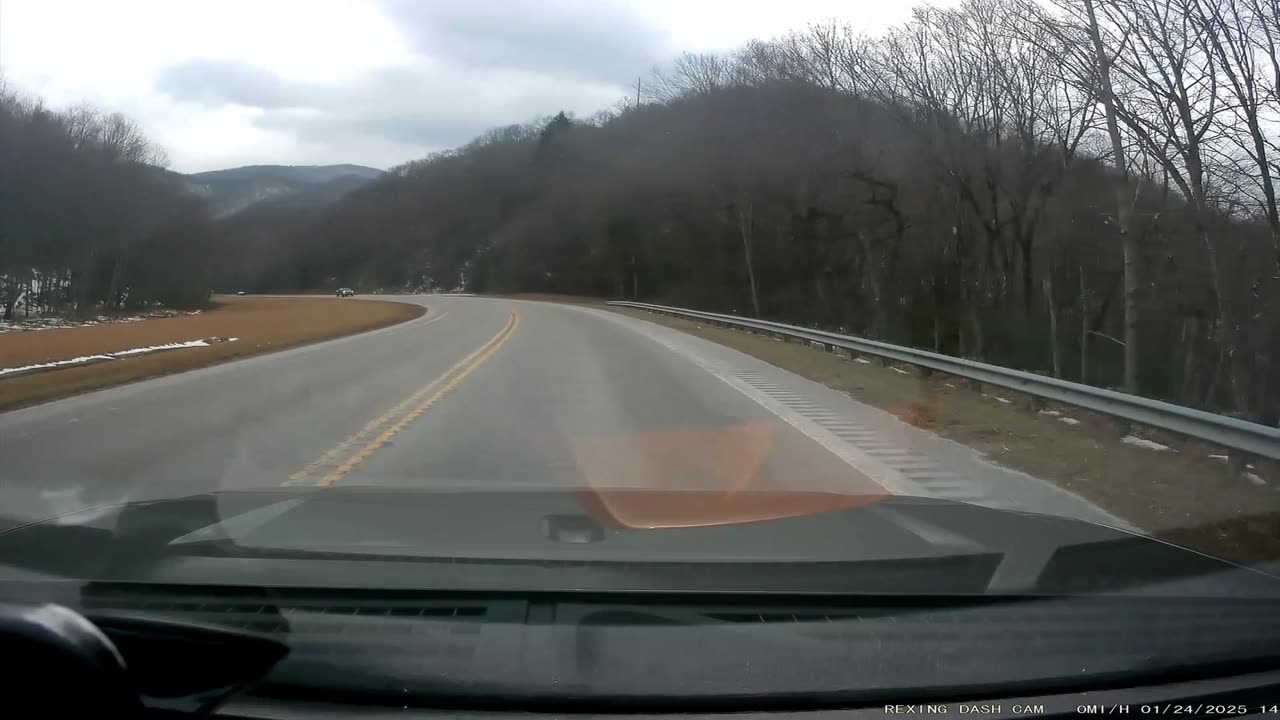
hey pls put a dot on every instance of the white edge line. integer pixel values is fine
(294, 352)
(877, 471)
(880, 473)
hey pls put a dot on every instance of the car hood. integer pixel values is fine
(612, 540)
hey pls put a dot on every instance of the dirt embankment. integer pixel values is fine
(1183, 494)
(259, 324)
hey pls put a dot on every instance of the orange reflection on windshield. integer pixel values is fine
(698, 458)
(738, 473)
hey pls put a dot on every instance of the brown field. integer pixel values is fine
(262, 324)
(1182, 495)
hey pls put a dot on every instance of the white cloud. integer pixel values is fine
(118, 47)
(710, 25)
(221, 83)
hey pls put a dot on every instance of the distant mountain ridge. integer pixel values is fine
(237, 189)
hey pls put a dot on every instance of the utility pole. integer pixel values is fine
(638, 81)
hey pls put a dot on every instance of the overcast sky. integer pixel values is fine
(222, 83)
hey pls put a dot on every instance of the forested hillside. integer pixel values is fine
(231, 191)
(89, 220)
(1085, 190)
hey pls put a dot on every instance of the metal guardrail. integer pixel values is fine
(1231, 433)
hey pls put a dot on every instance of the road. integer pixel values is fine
(492, 393)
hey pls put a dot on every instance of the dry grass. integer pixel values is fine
(1182, 495)
(262, 324)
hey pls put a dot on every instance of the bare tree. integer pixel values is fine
(1171, 105)
(1087, 57)
(691, 73)
(1242, 37)
(82, 197)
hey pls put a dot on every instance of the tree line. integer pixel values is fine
(90, 222)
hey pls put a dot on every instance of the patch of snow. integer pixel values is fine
(1006, 401)
(1053, 413)
(1136, 441)
(901, 371)
(60, 323)
(104, 356)
(232, 339)
(1069, 421)
(54, 364)
(949, 385)
(154, 348)
(1255, 478)
(1222, 458)
(862, 360)
(36, 324)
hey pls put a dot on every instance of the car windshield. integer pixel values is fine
(871, 306)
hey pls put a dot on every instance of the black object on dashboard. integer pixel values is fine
(65, 663)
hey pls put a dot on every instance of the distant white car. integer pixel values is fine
(240, 292)
(346, 292)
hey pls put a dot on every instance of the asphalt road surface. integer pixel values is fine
(493, 393)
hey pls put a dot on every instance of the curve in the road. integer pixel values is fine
(578, 398)
(353, 452)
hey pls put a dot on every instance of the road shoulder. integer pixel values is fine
(1182, 494)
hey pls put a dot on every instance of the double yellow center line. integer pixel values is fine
(351, 453)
